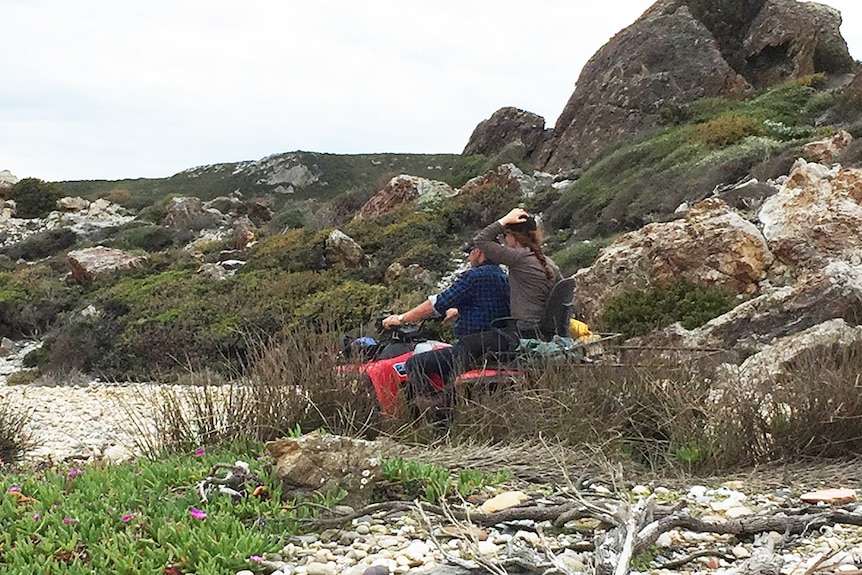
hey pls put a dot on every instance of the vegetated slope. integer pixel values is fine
(700, 147)
(170, 315)
(286, 178)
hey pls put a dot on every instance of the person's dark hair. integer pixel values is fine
(532, 240)
(528, 224)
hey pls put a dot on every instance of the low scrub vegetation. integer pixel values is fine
(700, 145)
(637, 313)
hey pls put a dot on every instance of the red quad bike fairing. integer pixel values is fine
(382, 362)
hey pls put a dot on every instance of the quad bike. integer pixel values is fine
(379, 363)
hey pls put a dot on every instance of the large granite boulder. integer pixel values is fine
(189, 214)
(789, 39)
(404, 190)
(777, 357)
(340, 250)
(834, 292)
(507, 128)
(665, 58)
(711, 246)
(89, 263)
(816, 217)
(7, 180)
(679, 51)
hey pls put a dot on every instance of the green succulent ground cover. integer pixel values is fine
(146, 517)
(143, 517)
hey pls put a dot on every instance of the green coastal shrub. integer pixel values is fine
(293, 251)
(637, 313)
(484, 204)
(32, 298)
(579, 255)
(35, 198)
(725, 130)
(148, 237)
(404, 236)
(348, 306)
(42, 244)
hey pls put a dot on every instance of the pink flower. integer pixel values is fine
(14, 489)
(255, 558)
(197, 513)
(200, 451)
(68, 520)
(126, 518)
(36, 516)
(74, 472)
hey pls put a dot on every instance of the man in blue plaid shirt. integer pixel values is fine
(476, 298)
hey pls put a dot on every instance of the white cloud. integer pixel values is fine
(95, 89)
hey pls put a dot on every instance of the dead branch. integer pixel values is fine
(676, 563)
(616, 547)
(748, 527)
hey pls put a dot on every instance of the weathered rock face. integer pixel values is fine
(72, 204)
(188, 213)
(773, 360)
(816, 217)
(711, 246)
(826, 151)
(682, 50)
(667, 57)
(805, 264)
(507, 127)
(404, 190)
(790, 39)
(324, 463)
(834, 292)
(7, 180)
(89, 263)
(340, 250)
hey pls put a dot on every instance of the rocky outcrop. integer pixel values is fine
(323, 463)
(775, 359)
(189, 214)
(816, 218)
(404, 190)
(664, 59)
(507, 177)
(89, 263)
(340, 250)
(7, 180)
(284, 171)
(711, 246)
(789, 39)
(516, 131)
(88, 220)
(827, 151)
(678, 51)
(798, 268)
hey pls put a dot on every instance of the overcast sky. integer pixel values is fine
(106, 89)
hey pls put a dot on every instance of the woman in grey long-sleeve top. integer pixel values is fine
(532, 274)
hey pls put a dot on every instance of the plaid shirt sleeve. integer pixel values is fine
(481, 295)
(455, 294)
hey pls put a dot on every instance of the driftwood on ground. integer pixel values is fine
(621, 530)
